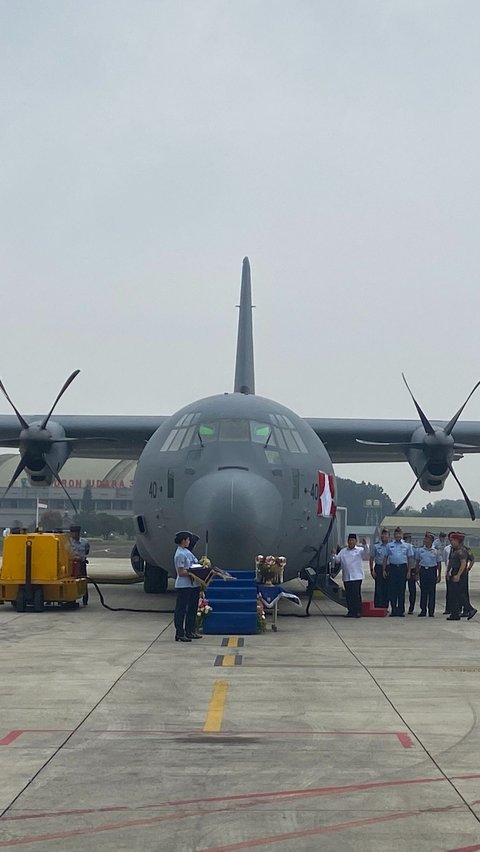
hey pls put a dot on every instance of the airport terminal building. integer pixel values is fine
(109, 482)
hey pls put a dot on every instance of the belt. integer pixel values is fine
(397, 565)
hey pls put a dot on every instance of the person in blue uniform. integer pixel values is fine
(188, 590)
(412, 580)
(377, 555)
(429, 565)
(397, 564)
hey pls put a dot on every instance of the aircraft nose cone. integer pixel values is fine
(242, 512)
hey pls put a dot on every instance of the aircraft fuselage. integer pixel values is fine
(242, 467)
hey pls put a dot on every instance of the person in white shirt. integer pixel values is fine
(350, 558)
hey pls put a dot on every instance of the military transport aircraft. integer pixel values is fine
(244, 472)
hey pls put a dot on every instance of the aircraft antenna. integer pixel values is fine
(244, 365)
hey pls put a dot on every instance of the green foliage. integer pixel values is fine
(51, 520)
(102, 524)
(353, 495)
(449, 509)
(87, 504)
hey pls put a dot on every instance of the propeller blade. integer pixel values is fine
(462, 489)
(22, 421)
(406, 445)
(20, 466)
(55, 474)
(423, 417)
(397, 508)
(60, 394)
(450, 426)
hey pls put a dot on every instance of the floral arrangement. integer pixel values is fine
(261, 618)
(203, 610)
(270, 569)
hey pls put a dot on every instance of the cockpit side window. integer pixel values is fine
(262, 433)
(208, 432)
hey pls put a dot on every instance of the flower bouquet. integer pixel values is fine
(203, 610)
(261, 618)
(269, 569)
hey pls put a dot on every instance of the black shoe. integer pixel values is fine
(451, 618)
(410, 611)
(400, 615)
(194, 636)
(446, 612)
(431, 615)
(471, 614)
(182, 639)
(422, 614)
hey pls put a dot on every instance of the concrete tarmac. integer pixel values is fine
(331, 734)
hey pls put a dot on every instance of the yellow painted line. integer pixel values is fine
(213, 722)
(233, 642)
(229, 660)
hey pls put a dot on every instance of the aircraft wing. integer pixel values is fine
(124, 437)
(96, 436)
(341, 437)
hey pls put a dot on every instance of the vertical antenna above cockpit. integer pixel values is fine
(244, 365)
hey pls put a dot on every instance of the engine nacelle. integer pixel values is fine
(43, 451)
(431, 462)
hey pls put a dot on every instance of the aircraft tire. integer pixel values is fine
(155, 581)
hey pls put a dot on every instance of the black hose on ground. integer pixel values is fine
(125, 608)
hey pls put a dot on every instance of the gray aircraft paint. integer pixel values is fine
(248, 504)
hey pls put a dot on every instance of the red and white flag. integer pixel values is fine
(42, 503)
(326, 495)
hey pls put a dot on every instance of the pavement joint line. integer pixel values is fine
(214, 719)
(87, 716)
(397, 712)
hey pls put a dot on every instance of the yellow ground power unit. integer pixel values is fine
(39, 568)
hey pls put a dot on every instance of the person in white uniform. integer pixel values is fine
(350, 558)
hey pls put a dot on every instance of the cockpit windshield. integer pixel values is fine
(193, 430)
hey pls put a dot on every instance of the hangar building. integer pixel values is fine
(109, 481)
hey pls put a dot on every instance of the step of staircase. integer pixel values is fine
(225, 592)
(226, 623)
(234, 605)
(369, 610)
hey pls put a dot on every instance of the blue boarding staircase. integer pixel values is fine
(234, 605)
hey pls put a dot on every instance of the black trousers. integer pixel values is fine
(467, 606)
(457, 596)
(192, 609)
(182, 606)
(353, 596)
(381, 588)
(412, 592)
(447, 595)
(428, 589)
(397, 581)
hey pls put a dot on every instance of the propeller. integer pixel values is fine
(437, 443)
(36, 440)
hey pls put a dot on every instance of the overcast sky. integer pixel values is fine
(147, 146)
